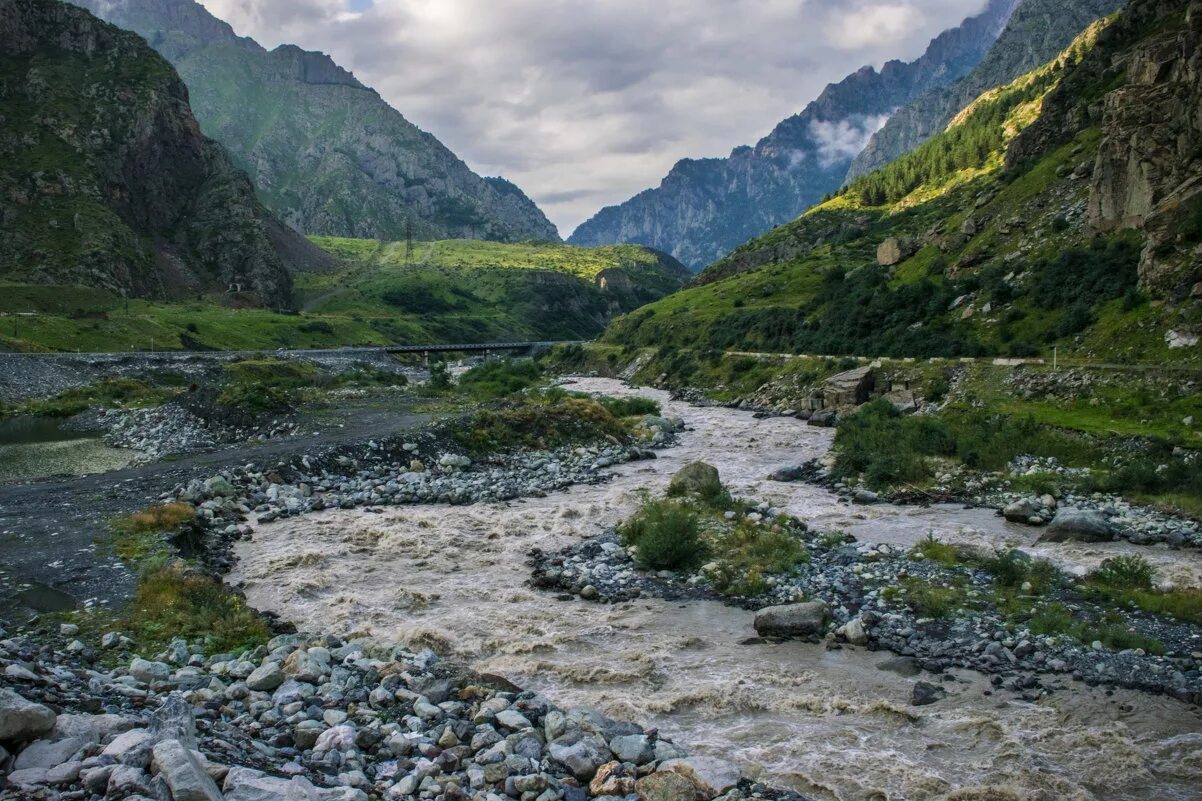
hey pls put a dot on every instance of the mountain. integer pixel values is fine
(327, 154)
(106, 180)
(705, 208)
(1036, 32)
(1062, 210)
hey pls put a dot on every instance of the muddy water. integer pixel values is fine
(38, 447)
(828, 723)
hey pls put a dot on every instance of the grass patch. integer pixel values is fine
(171, 602)
(109, 392)
(934, 600)
(936, 551)
(749, 553)
(138, 538)
(666, 535)
(629, 407)
(501, 377)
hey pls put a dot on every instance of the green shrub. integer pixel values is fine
(667, 535)
(935, 550)
(171, 602)
(440, 376)
(629, 407)
(931, 600)
(536, 422)
(259, 398)
(496, 379)
(272, 372)
(1128, 572)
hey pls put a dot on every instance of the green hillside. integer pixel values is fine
(983, 241)
(456, 290)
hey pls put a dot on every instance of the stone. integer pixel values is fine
(28, 779)
(183, 773)
(849, 388)
(613, 778)
(149, 672)
(266, 677)
(924, 693)
(580, 753)
(853, 632)
(1079, 525)
(804, 619)
(712, 777)
(126, 742)
(304, 668)
(47, 754)
(22, 720)
(512, 719)
(220, 487)
(894, 250)
(697, 477)
(633, 748)
(666, 787)
(823, 418)
(1022, 510)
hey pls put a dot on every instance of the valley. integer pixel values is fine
(864, 464)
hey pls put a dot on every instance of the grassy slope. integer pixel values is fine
(456, 290)
(814, 285)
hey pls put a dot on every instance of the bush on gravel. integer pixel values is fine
(666, 535)
(538, 421)
(172, 602)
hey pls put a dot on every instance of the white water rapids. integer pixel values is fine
(830, 724)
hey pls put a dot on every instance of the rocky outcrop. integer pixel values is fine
(106, 180)
(895, 250)
(328, 154)
(1036, 31)
(704, 208)
(1146, 174)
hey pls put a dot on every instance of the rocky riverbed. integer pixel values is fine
(314, 718)
(828, 723)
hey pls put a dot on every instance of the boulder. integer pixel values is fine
(184, 775)
(47, 754)
(245, 784)
(266, 677)
(613, 779)
(805, 619)
(698, 477)
(149, 672)
(853, 632)
(1082, 525)
(823, 418)
(22, 720)
(666, 787)
(849, 388)
(1022, 510)
(786, 474)
(633, 748)
(580, 753)
(925, 693)
(711, 777)
(894, 250)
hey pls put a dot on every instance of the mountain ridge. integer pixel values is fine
(326, 152)
(107, 180)
(705, 208)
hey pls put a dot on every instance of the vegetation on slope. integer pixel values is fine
(944, 252)
(460, 290)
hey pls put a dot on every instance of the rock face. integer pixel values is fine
(1145, 173)
(806, 619)
(108, 182)
(1035, 32)
(327, 153)
(704, 208)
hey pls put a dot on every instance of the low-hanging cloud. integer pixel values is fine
(583, 103)
(839, 140)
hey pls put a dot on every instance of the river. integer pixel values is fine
(831, 724)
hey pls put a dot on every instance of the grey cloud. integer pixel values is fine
(583, 103)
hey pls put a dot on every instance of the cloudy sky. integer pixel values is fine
(583, 103)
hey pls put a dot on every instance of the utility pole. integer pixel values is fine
(1055, 356)
(409, 240)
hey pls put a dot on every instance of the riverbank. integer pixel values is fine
(791, 714)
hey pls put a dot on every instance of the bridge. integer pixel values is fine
(487, 348)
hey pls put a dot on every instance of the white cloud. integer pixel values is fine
(583, 103)
(843, 139)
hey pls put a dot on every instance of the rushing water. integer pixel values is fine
(38, 447)
(829, 723)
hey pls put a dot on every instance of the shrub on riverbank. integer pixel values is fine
(536, 421)
(666, 534)
(171, 602)
(500, 377)
(138, 538)
(129, 392)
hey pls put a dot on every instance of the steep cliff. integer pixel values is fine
(327, 154)
(106, 180)
(705, 208)
(1035, 32)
